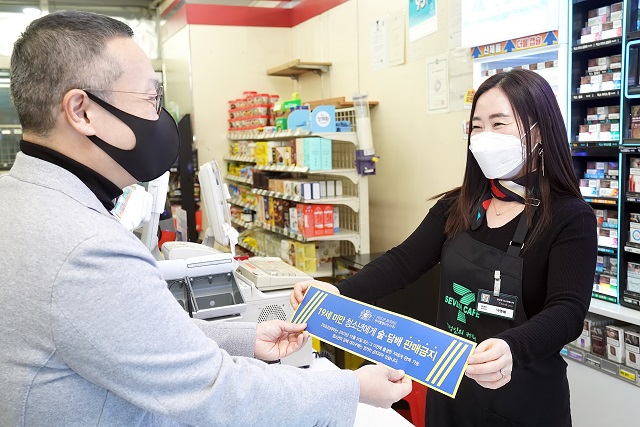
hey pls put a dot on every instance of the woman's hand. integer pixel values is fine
(491, 364)
(276, 339)
(299, 289)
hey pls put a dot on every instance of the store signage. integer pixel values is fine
(514, 45)
(428, 355)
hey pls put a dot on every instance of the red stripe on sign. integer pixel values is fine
(170, 8)
(244, 16)
(240, 16)
(312, 8)
(175, 22)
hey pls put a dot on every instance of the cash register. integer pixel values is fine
(212, 285)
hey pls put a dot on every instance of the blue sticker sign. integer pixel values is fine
(427, 354)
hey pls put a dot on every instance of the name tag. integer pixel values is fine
(429, 355)
(502, 305)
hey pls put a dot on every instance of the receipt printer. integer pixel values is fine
(270, 273)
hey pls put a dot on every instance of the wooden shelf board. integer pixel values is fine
(339, 102)
(298, 67)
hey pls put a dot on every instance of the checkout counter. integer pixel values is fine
(366, 415)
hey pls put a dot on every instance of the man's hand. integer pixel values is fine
(276, 339)
(491, 364)
(381, 386)
(300, 288)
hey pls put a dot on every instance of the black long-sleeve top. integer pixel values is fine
(558, 273)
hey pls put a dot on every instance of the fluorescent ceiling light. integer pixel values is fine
(33, 11)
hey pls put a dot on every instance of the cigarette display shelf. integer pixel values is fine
(601, 201)
(605, 250)
(594, 149)
(606, 148)
(633, 35)
(601, 364)
(590, 96)
(632, 249)
(615, 41)
(352, 202)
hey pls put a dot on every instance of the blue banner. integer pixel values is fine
(428, 355)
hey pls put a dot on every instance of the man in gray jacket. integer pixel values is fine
(90, 334)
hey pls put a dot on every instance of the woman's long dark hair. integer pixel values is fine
(532, 101)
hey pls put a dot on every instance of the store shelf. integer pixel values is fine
(250, 135)
(325, 270)
(605, 298)
(276, 168)
(351, 174)
(238, 202)
(250, 248)
(633, 199)
(615, 311)
(596, 95)
(239, 179)
(241, 223)
(577, 48)
(343, 234)
(352, 202)
(605, 272)
(297, 67)
(339, 102)
(595, 149)
(631, 142)
(606, 250)
(622, 372)
(601, 200)
(632, 249)
(342, 155)
(289, 134)
(245, 159)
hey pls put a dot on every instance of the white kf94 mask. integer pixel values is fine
(500, 156)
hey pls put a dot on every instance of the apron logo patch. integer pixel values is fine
(466, 298)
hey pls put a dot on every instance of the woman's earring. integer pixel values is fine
(541, 154)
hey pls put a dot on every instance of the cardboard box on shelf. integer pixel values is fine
(632, 347)
(615, 343)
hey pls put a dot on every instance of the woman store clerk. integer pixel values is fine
(517, 227)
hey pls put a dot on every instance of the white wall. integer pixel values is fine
(225, 62)
(421, 154)
(177, 72)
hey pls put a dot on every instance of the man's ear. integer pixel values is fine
(78, 111)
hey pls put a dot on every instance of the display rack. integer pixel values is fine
(353, 206)
(297, 67)
(622, 372)
(596, 147)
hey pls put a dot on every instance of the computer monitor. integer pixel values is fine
(149, 232)
(214, 193)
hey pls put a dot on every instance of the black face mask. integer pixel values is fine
(157, 143)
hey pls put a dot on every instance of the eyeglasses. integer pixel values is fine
(159, 96)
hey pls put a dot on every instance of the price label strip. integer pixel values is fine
(427, 354)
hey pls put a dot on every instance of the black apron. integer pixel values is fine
(538, 394)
